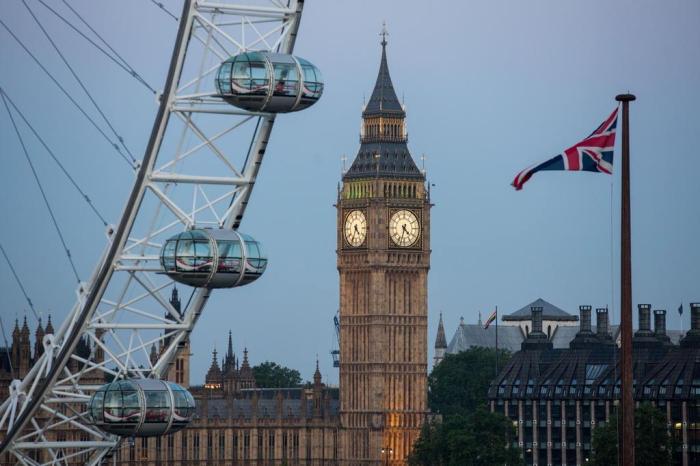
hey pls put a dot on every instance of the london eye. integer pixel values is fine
(231, 71)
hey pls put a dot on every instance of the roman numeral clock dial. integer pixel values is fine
(355, 228)
(404, 228)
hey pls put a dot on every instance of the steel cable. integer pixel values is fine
(114, 145)
(41, 188)
(123, 65)
(80, 82)
(53, 156)
(19, 282)
(162, 7)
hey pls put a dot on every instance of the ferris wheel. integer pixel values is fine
(231, 71)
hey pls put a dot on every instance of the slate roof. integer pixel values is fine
(395, 161)
(468, 335)
(549, 312)
(383, 100)
(440, 340)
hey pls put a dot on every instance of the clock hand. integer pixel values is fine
(358, 231)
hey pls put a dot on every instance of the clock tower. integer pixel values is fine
(383, 253)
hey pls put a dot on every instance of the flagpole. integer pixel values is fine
(627, 402)
(496, 341)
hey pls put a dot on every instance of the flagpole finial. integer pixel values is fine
(625, 97)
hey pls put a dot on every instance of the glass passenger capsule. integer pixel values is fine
(269, 82)
(141, 407)
(213, 258)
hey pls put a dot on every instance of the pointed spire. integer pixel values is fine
(49, 327)
(479, 321)
(440, 340)
(38, 340)
(15, 331)
(317, 374)
(175, 300)
(245, 358)
(383, 136)
(25, 328)
(153, 357)
(229, 352)
(384, 99)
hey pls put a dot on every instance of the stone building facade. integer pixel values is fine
(383, 252)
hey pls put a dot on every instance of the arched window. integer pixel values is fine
(549, 331)
(527, 330)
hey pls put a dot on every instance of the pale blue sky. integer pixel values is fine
(490, 87)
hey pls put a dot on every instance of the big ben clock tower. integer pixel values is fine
(383, 262)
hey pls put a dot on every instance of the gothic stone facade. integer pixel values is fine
(383, 218)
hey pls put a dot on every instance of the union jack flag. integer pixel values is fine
(593, 154)
(491, 318)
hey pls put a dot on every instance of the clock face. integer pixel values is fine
(355, 228)
(404, 228)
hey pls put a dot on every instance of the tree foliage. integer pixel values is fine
(479, 439)
(467, 434)
(271, 375)
(653, 444)
(460, 383)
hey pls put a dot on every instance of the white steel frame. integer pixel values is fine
(122, 308)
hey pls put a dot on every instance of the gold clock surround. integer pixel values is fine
(355, 228)
(404, 228)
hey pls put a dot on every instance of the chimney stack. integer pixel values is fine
(536, 319)
(585, 319)
(644, 321)
(660, 324)
(692, 337)
(695, 317)
(602, 322)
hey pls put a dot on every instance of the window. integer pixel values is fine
(210, 445)
(144, 448)
(171, 446)
(195, 446)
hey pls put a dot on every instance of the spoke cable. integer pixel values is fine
(19, 282)
(41, 188)
(53, 156)
(67, 94)
(80, 82)
(162, 7)
(119, 60)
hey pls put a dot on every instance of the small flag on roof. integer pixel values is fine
(593, 154)
(490, 319)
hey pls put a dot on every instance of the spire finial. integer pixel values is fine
(384, 33)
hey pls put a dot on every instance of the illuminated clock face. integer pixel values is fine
(355, 228)
(404, 228)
